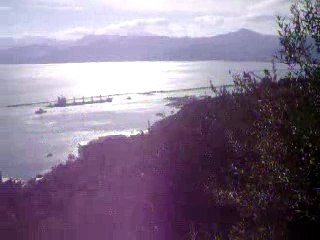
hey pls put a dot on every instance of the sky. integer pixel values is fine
(73, 19)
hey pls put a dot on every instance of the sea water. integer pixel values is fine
(31, 144)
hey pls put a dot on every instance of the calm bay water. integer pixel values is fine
(27, 139)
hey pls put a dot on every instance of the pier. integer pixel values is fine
(65, 102)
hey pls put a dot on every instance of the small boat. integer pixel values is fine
(40, 111)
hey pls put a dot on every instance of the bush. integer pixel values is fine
(274, 137)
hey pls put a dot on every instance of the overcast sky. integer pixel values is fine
(67, 19)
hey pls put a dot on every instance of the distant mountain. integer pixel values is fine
(243, 45)
(8, 42)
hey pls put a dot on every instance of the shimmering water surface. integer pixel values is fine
(27, 138)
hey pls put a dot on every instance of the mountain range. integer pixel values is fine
(242, 45)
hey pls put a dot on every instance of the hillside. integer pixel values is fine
(210, 170)
(243, 45)
(148, 186)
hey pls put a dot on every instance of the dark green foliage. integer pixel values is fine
(300, 36)
(10, 201)
(274, 135)
(274, 138)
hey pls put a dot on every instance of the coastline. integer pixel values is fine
(146, 183)
(166, 183)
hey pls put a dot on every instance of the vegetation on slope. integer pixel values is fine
(243, 165)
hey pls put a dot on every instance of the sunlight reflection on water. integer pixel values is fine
(29, 137)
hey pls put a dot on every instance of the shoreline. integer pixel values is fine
(174, 103)
(156, 185)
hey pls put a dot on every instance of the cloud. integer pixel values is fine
(267, 4)
(133, 27)
(145, 27)
(209, 19)
(60, 5)
(199, 26)
(76, 18)
(186, 6)
(130, 27)
(261, 18)
(3, 8)
(270, 6)
(73, 33)
(217, 24)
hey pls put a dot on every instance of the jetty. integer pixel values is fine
(65, 102)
